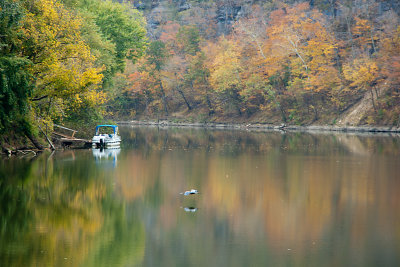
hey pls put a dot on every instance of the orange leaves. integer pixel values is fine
(168, 35)
(290, 58)
(299, 38)
(362, 26)
(363, 33)
(390, 54)
(141, 82)
(326, 79)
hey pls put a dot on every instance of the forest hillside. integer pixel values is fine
(82, 62)
(298, 62)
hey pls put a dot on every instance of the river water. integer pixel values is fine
(265, 199)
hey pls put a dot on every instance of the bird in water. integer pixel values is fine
(191, 192)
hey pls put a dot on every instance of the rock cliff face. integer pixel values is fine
(220, 15)
(217, 16)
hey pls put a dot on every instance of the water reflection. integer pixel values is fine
(59, 211)
(106, 156)
(190, 209)
(264, 199)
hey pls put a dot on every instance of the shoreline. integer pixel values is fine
(265, 127)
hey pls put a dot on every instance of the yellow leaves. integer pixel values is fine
(297, 85)
(363, 33)
(362, 26)
(63, 62)
(361, 72)
(87, 99)
(78, 100)
(225, 71)
(90, 77)
(94, 97)
(300, 39)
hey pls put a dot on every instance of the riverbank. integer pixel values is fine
(21, 146)
(266, 127)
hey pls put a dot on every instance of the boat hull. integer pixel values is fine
(106, 142)
(106, 145)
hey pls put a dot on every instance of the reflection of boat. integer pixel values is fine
(106, 136)
(106, 155)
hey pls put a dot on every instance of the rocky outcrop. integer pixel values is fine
(183, 5)
(226, 17)
(224, 13)
(221, 14)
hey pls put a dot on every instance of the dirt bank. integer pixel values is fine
(257, 126)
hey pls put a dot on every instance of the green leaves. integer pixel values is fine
(63, 57)
(16, 82)
(10, 16)
(123, 26)
(156, 55)
(189, 39)
(15, 88)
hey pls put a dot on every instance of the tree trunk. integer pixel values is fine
(34, 141)
(47, 138)
(377, 95)
(376, 92)
(163, 97)
(146, 108)
(283, 113)
(372, 98)
(236, 101)
(184, 98)
(209, 104)
(350, 35)
(315, 113)
(277, 103)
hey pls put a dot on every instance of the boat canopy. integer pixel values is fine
(114, 127)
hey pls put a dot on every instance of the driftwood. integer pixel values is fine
(47, 138)
(7, 150)
(24, 152)
(34, 141)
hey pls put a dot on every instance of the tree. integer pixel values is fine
(16, 81)
(197, 77)
(225, 73)
(174, 74)
(124, 26)
(363, 73)
(183, 43)
(188, 39)
(300, 39)
(16, 85)
(168, 36)
(147, 80)
(142, 87)
(252, 31)
(62, 62)
(116, 35)
(390, 56)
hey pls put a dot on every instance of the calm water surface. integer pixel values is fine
(265, 199)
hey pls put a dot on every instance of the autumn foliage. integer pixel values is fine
(58, 59)
(299, 63)
(294, 63)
